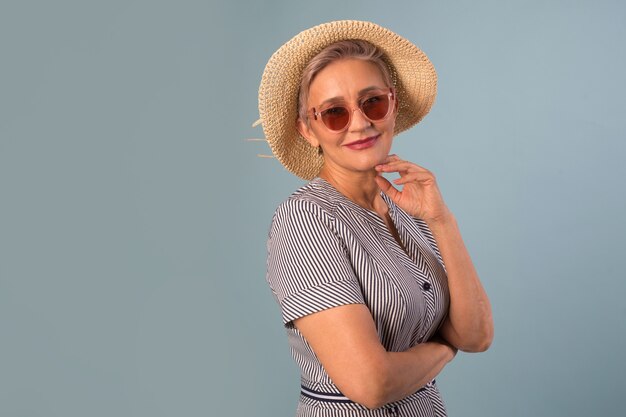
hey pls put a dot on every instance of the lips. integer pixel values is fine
(363, 143)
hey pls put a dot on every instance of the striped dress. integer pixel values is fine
(325, 251)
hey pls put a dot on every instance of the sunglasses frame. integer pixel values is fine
(392, 97)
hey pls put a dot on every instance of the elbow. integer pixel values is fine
(477, 347)
(480, 342)
(371, 388)
(374, 397)
(371, 403)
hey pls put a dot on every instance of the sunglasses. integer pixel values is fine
(374, 107)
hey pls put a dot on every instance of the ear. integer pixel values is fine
(307, 133)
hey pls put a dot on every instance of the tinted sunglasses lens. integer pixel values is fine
(376, 108)
(336, 118)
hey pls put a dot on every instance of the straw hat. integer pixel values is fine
(413, 75)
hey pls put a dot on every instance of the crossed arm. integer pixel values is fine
(469, 325)
(346, 342)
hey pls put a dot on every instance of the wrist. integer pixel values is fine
(443, 220)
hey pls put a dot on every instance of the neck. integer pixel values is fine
(359, 187)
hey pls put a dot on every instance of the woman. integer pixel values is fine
(376, 288)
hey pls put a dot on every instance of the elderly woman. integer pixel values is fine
(376, 288)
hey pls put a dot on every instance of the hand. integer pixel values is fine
(420, 196)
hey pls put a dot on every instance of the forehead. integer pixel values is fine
(345, 79)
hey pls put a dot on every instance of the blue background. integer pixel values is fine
(134, 213)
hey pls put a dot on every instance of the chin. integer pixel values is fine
(372, 160)
(369, 166)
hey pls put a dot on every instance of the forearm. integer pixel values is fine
(469, 325)
(410, 370)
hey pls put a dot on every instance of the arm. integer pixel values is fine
(345, 341)
(469, 325)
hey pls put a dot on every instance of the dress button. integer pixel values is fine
(426, 286)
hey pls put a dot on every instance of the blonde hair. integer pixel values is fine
(352, 48)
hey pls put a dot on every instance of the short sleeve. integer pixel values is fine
(308, 266)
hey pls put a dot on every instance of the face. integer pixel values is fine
(364, 143)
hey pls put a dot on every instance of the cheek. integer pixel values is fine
(390, 125)
(325, 139)
(317, 137)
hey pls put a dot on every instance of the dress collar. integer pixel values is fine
(341, 199)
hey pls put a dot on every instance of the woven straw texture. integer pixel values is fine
(413, 75)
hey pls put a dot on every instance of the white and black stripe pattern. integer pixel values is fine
(425, 402)
(325, 251)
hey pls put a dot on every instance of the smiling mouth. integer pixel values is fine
(362, 143)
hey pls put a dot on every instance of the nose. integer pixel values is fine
(358, 121)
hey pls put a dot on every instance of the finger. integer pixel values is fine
(423, 177)
(392, 157)
(389, 158)
(387, 188)
(400, 162)
(398, 166)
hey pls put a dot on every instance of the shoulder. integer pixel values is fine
(314, 201)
